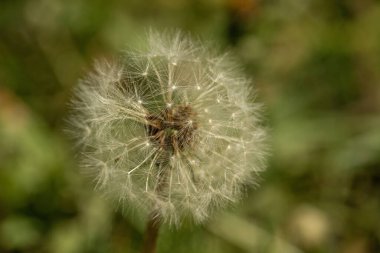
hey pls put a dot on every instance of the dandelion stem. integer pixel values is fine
(151, 234)
(154, 221)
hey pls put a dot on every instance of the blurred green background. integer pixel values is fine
(316, 66)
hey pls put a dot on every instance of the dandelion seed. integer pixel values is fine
(153, 146)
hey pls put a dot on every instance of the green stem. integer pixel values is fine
(151, 234)
(154, 223)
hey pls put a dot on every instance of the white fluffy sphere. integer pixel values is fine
(170, 128)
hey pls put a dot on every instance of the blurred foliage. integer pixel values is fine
(316, 66)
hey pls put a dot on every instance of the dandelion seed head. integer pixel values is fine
(170, 128)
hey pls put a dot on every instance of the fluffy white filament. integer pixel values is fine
(109, 123)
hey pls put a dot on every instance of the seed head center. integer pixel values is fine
(173, 129)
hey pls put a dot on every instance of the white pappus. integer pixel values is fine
(170, 128)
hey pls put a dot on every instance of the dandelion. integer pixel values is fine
(169, 130)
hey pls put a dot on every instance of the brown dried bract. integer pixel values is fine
(173, 129)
